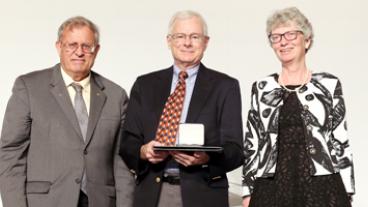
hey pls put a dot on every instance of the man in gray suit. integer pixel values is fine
(61, 131)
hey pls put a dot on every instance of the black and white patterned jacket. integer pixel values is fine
(324, 119)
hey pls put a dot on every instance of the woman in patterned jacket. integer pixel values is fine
(296, 146)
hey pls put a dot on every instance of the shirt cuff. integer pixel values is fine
(246, 191)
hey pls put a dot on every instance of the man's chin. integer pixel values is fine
(79, 69)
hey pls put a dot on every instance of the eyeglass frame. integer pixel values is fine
(72, 47)
(192, 37)
(284, 35)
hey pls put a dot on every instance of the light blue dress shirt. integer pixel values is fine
(173, 168)
(189, 86)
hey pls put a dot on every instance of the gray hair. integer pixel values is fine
(187, 14)
(79, 21)
(287, 16)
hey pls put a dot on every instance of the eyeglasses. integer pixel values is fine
(181, 37)
(86, 48)
(290, 35)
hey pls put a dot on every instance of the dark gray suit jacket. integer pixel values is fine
(215, 103)
(42, 151)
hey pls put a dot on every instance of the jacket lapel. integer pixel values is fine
(61, 95)
(200, 94)
(163, 87)
(98, 98)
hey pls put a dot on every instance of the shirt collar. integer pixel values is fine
(68, 80)
(190, 71)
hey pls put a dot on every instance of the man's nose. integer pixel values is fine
(79, 51)
(188, 41)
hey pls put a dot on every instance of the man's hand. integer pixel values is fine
(147, 152)
(198, 158)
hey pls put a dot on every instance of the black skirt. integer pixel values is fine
(292, 185)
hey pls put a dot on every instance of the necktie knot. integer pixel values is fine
(183, 75)
(78, 88)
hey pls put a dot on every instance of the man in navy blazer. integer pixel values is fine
(211, 98)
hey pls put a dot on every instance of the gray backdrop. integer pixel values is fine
(133, 43)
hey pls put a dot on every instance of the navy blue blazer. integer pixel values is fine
(216, 103)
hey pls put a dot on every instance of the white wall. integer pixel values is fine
(133, 43)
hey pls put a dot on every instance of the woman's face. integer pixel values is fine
(289, 43)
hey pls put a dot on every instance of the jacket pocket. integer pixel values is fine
(38, 187)
(218, 182)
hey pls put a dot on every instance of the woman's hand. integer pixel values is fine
(246, 201)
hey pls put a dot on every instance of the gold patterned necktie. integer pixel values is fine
(170, 117)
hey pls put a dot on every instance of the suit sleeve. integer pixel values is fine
(231, 133)
(15, 140)
(124, 180)
(132, 136)
(252, 136)
(341, 142)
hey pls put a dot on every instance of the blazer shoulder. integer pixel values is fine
(269, 81)
(37, 74)
(155, 74)
(329, 81)
(107, 84)
(221, 79)
(37, 77)
(217, 74)
(269, 78)
(320, 76)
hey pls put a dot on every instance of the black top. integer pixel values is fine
(292, 185)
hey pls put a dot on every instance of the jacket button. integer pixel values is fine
(312, 151)
(158, 179)
(302, 89)
(77, 180)
(85, 152)
(309, 97)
